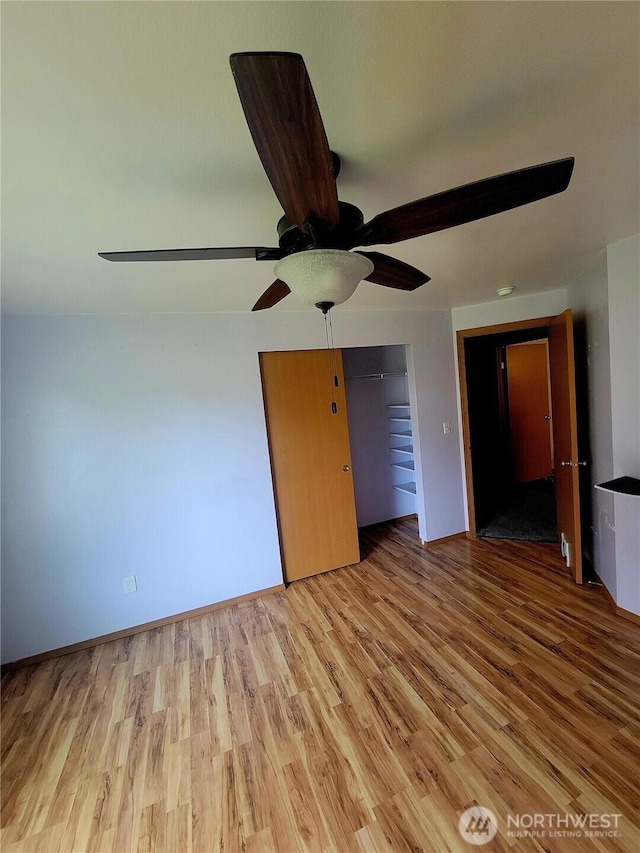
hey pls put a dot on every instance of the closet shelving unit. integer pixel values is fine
(401, 415)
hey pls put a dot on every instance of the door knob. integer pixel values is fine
(547, 417)
(569, 464)
(345, 467)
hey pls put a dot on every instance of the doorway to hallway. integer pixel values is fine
(493, 468)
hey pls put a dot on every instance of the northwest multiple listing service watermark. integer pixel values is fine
(478, 825)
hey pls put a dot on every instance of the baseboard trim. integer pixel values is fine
(387, 521)
(628, 615)
(443, 539)
(620, 611)
(138, 629)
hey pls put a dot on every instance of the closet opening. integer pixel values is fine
(382, 433)
(343, 449)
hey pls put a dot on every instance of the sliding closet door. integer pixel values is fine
(310, 461)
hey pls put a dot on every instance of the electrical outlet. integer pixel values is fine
(446, 428)
(130, 584)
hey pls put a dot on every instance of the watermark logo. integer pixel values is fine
(477, 825)
(588, 825)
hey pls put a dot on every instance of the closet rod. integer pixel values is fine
(370, 376)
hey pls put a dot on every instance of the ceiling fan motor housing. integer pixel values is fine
(318, 236)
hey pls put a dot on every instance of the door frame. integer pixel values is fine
(461, 336)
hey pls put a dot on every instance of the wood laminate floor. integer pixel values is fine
(360, 710)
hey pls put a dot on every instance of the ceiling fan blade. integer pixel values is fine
(287, 130)
(258, 253)
(467, 203)
(272, 295)
(390, 272)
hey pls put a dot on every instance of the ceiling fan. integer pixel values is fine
(318, 233)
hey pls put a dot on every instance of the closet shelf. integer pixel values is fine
(400, 413)
(410, 488)
(408, 466)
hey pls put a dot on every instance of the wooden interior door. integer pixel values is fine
(310, 461)
(565, 436)
(529, 414)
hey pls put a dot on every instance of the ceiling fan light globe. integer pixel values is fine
(323, 275)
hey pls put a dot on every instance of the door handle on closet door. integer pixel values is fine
(345, 468)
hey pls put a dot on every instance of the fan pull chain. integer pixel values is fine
(333, 374)
(334, 369)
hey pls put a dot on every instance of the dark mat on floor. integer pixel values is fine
(529, 513)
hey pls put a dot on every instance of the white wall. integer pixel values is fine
(607, 298)
(131, 445)
(623, 268)
(589, 300)
(509, 309)
(137, 445)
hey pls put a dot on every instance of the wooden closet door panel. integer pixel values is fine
(309, 448)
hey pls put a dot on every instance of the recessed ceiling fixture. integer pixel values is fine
(505, 291)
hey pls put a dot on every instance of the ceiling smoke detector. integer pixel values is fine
(505, 291)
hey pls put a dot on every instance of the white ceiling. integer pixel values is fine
(122, 129)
